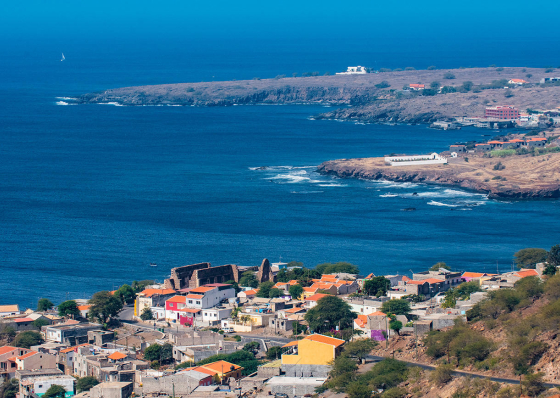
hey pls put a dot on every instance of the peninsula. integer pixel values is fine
(517, 176)
(410, 96)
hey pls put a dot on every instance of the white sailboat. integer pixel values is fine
(63, 57)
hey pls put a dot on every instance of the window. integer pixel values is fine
(190, 301)
(171, 304)
(198, 302)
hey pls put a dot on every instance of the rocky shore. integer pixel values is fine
(524, 177)
(367, 98)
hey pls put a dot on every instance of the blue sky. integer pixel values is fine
(189, 19)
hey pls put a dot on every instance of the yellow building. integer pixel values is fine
(315, 349)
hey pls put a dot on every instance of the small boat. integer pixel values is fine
(63, 57)
(409, 209)
(153, 265)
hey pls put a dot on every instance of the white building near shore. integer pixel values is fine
(354, 70)
(415, 160)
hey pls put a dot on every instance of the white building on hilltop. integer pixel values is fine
(354, 70)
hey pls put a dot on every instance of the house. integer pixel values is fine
(70, 333)
(84, 309)
(213, 316)
(8, 365)
(354, 70)
(416, 87)
(36, 360)
(281, 324)
(518, 82)
(222, 369)
(501, 112)
(149, 298)
(522, 273)
(66, 358)
(181, 383)
(176, 309)
(549, 80)
(473, 276)
(310, 357)
(34, 383)
(536, 142)
(377, 326)
(10, 309)
(458, 148)
(366, 305)
(311, 301)
(248, 294)
(104, 366)
(112, 389)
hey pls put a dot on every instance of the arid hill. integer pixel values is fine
(370, 103)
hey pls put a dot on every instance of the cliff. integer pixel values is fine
(524, 177)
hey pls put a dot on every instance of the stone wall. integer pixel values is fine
(306, 370)
(181, 276)
(184, 384)
(220, 274)
(264, 273)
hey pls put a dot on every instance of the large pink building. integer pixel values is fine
(502, 112)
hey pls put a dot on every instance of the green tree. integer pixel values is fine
(147, 314)
(275, 292)
(248, 279)
(39, 323)
(449, 76)
(55, 391)
(7, 332)
(550, 270)
(153, 352)
(359, 348)
(358, 390)
(28, 339)
(340, 267)
(396, 326)
(252, 347)
(442, 375)
(166, 353)
(139, 286)
(397, 307)
(264, 289)
(468, 85)
(534, 384)
(329, 312)
(126, 294)
(86, 383)
(296, 291)
(439, 265)
(377, 286)
(104, 307)
(530, 286)
(68, 308)
(274, 352)
(383, 84)
(434, 85)
(10, 388)
(44, 304)
(450, 299)
(448, 89)
(554, 255)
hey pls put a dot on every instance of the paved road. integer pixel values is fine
(461, 373)
(126, 313)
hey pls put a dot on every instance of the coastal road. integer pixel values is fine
(126, 313)
(375, 358)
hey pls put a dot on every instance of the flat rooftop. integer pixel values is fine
(279, 380)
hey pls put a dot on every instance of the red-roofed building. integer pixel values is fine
(8, 357)
(518, 82)
(36, 360)
(416, 86)
(506, 112)
(154, 299)
(311, 301)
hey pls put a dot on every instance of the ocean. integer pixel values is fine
(90, 195)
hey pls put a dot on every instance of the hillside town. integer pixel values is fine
(228, 330)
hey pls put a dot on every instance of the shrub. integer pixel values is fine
(499, 166)
(442, 374)
(383, 84)
(431, 67)
(449, 76)
(468, 85)
(448, 89)
(499, 69)
(384, 70)
(509, 93)
(410, 68)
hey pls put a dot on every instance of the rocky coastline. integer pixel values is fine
(527, 178)
(369, 98)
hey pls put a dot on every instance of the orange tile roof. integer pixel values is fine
(406, 278)
(309, 289)
(29, 354)
(472, 274)
(494, 142)
(432, 281)
(516, 140)
(219, 365)
(291, 343)
(411, 282)
(202, 289)
(151, 292)
(377, 313)
(294, 310)
(316, 297)
(251, 292)
(518, 81)
(537, 139)
(371, 275)
(361, 320)
(325, 340)
(527, 272)
(177, 299)
(329, 278)
(202, 370)
(414, 85)
(195, 296)
(117, 355)
(294, 282)
(322, 285)
(281, 284)
(18, 320)
(73, 348)
(84, 307)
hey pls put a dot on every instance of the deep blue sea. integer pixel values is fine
(91, 195)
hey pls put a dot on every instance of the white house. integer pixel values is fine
(11, 309)
(212, 316)
(354, 70)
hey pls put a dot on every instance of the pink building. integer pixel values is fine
(502, 112)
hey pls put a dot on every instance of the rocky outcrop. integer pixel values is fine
(526, 178)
